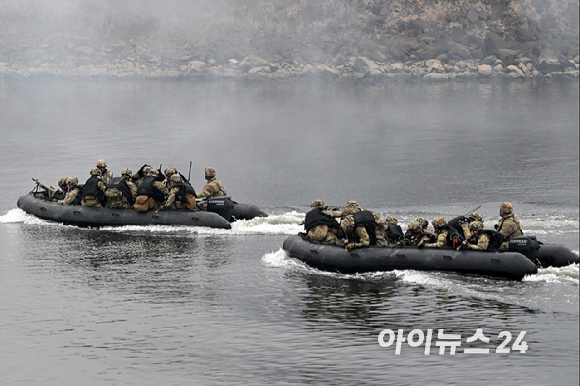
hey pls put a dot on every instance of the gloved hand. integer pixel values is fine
(349, 246)
(162, 207)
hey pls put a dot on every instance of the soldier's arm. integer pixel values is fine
(441, 241)
(208, 190)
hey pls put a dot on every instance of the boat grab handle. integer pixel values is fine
(400, 255)
(447, 257)
(76, 212)
(496, 260)
(314, 251)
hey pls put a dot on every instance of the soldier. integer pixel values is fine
(121, 194)
(356, 234)
(94, 190)
(509, 223)
(415, 235)
(151, 193)
(425, 228)
(440, 226)
(181, 195)
(321, 226)
(168, 173)
(392, 220)
(141, 174)
(477, 239)
(213, 188)
(63, 184)
(380, 225)
(73, 192)
(106, 175)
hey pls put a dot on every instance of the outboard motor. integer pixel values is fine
(224, 206)
(526, 245)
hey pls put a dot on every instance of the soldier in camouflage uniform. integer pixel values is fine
(151, 193)
(321, 226)
(123, 194)
(509, 223)
(181, 194)
(73, 192)
(477, 240)
(94, 190)
(357, 235)
(425, 227)
(63, 184)
(439, 224)
(392, 220)
(213, 188)
(415, 235)
(106, 175)
(379, 223)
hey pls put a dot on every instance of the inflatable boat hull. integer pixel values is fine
(97, 217)
(510, 265)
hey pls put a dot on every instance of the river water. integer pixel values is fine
(185, 305)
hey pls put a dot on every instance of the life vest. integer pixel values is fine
(120, 183)
(184, 188)
(317, 217)
(394, 232)
(148, 189)
(366, 219)
(495, 238)
(91, 188)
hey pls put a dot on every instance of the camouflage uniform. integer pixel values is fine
(116, 199)
(425, 226)
(173, 201)
(508, 223)
(92, 200)
(72, 191)
(63, 184)
(380, 230)
(213, 188)
(478, 240)
(322, 233)
(106, 175)
(357, 236)
(441, 232)
(150, 202)
(415, 235)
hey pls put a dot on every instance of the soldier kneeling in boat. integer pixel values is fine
(121, 194)
(151, 193)
(73, 192)
(442, 231)
(415, 235)
(182, 194)
(94, 190)
(477, 239)
(377, 228)
(509, 223)
(321, 226)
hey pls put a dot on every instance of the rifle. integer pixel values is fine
(189, 175)
(50, 192)
(471, 212)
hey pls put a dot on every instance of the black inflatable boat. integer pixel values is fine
(509, 264)
(36, 204)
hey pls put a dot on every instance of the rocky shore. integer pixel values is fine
(468, 40)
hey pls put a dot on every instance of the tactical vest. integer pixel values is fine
(148, 189)
(121, 185)
(394, 232)
(515, 219)
(495, 238)
(366, 219)
(184, 188)
(79, 197)
(91, 188)
(317, 217)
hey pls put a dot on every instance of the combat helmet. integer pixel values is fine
(415, 227)
(101, 163)
(169, 172)
(176, 178)
(152, 172)
(423, 222)
(392, 220)
(209, 171)
(439, 222)
(506, 208)
(317, 204)
(62, 182)
(95, 172)
(347, 224)
(475, 216)
(475, 226)
(127, 173)
(72, 181)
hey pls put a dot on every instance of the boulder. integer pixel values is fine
(420, 25)
(506, 56)
(472, 15)
(548, 65)
(434, 65)
(196, 66)
(252, 61)
(402, 46)
(484, 70)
